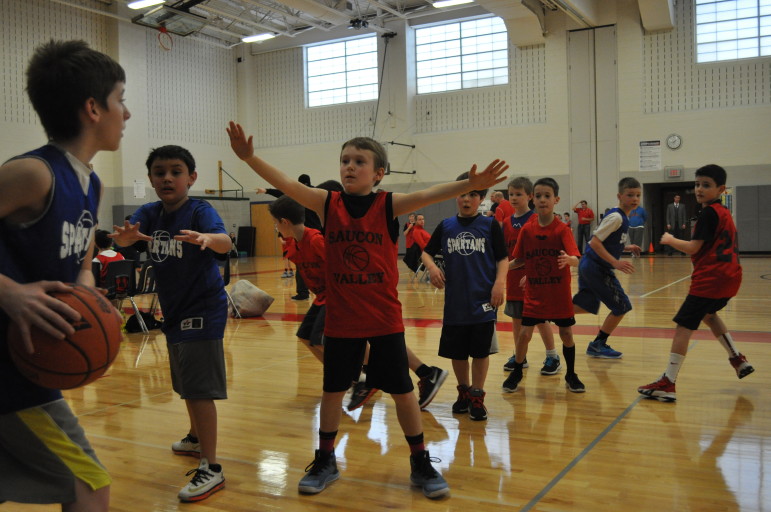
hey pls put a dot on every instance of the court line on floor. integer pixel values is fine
(665, 286)
(554, 481)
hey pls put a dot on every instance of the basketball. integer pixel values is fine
(79, 358)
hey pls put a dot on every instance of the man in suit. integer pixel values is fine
(676, 221)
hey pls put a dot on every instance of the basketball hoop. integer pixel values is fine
(164, 39)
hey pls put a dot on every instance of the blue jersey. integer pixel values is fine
(189, 284)
(470, 270)
(51, 247)
(613, 233)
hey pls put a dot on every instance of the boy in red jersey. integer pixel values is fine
(716, 278)
(361, 254)
(546, 248)
(520, 195)
(305, 248)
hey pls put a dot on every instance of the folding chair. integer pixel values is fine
(225, 271)
(145, 285)
(120, 282)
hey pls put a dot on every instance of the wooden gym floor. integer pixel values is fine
(542, 448)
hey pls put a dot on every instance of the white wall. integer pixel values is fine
(187, 95)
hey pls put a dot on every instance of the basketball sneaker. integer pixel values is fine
(509, 365)
(319, 473)
(477, 410)
(551, 365)
(424, 475)
(602, 350)
(429, 386)
(740, 364)
(188, 445)
(662, 390)
(511, 383)
(573, 384)
(360, 394)
(463, 402)
(207, 479)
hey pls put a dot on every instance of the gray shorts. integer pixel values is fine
(312, 326)
(198, 369)
(44, 451)
(514, 309)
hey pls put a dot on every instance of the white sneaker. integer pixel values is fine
(186, 446)
(205, 482)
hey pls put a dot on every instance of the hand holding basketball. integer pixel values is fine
(83, 355)
(31, 305)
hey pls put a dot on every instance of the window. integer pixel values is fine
(473, 53)
(341, 72)
(735, 29)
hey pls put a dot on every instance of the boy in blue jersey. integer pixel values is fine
(49, 199)
(596, 280)
(474, 279)
(184, 235)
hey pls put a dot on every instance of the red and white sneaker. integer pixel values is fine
(740, 364)
(663, 390)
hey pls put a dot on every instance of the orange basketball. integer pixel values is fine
(81, 357)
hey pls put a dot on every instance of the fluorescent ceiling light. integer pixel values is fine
(257, 38)
(141, 4)
(450, 3)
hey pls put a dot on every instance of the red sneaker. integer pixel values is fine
(742, 367)
(663, 390)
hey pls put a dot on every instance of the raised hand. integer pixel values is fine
(241, 145)
(489, 177)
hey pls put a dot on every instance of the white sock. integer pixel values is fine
(728, 344)
(673, 368)
(552, 353)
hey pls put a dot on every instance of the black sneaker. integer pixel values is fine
(360, 395)
(463, 402)
(319, 473)
(512, 381)
(300, 297)
(573, 384)
(426, 477)
(551, 365)
(429, 386)
(477, 411)
(509, 365)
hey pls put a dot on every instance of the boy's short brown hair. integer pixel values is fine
(61, 76)
(626, 183)
(366, 143)
(522, 182)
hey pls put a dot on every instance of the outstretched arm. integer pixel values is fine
(687, 246)
(312, 198)
(217, 242)
(405, 203)
(128, 234)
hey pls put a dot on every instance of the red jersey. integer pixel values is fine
(717, 273)
(511, 228)
(420, 236)
(503, 211)
(361, 273)
(548, 294)
(104, 259)
(585, 215)
(308, 257)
